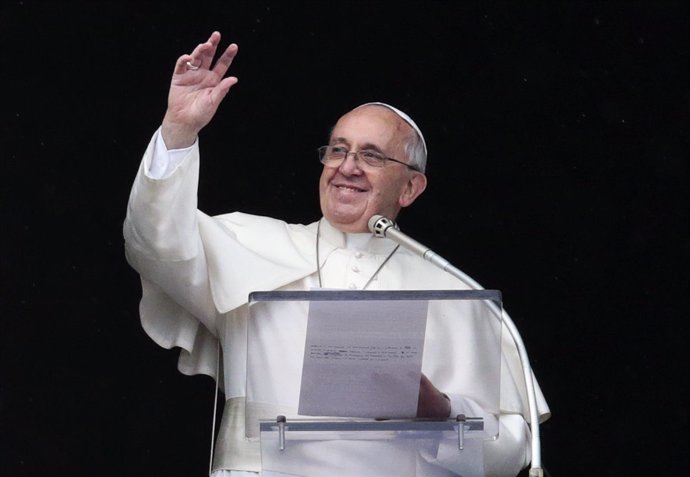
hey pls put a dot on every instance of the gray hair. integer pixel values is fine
(414, 145)
(416, 152)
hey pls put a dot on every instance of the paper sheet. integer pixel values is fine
(363, 358)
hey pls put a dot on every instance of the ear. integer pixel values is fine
(413, 189)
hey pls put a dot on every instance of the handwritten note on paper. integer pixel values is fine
(363, 358)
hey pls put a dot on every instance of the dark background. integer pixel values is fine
(558, 140)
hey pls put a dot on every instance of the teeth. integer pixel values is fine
(348, 188)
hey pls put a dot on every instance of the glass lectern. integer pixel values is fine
(332, 381)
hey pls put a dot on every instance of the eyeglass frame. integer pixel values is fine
(322, 154)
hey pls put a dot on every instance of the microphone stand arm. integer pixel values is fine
(536, 469)
(384, 227)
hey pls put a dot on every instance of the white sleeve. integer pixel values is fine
(164, 161)
(163, 244)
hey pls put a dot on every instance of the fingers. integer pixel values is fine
(205, 52)
(202, 57)
(221, 90)
(181, 66)
(225, 60)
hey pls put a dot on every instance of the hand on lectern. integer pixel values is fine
(432, 403)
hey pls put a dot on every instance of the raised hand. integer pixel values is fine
(197, 88)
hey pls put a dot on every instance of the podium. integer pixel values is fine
(302, 434)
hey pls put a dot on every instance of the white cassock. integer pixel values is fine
(198, 271)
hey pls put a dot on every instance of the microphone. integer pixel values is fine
(383, 227)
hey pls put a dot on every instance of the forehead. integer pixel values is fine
(373, 125)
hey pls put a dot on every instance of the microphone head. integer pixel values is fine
(378, 225)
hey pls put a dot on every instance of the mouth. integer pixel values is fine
(348, 188)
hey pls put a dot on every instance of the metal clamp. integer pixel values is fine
(281, 420)
(461, 419)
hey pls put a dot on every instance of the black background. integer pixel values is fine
(558, 138)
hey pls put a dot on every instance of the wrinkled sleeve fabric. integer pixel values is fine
(163, 244)
(195, 268)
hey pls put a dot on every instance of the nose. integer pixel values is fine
(350, 165)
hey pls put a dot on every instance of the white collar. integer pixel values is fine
(362, 242)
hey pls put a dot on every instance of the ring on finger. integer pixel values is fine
(191, 66)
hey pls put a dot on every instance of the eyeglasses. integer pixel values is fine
(333, 156)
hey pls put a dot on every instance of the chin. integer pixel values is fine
(349, 225)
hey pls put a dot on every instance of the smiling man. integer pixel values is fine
(361, 177)
(197, 271)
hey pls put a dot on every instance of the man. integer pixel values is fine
(197, 271)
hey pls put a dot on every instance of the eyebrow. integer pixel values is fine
(367, 146)
(338, 140)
